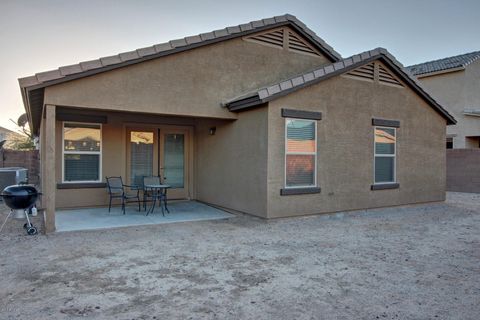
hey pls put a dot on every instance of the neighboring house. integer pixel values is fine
(264, 118)
(10, 136)
(455, 83)
(5, 133)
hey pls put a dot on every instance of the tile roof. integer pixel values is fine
(460, 61)
(265, 94)
(75, 71)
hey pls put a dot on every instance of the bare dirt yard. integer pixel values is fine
(413, 262)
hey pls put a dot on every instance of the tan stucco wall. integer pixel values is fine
(192, 83)
(457, 91)
(345, 148)
(231, 167)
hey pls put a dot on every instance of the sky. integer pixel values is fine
(40, 35)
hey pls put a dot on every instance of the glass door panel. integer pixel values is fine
(141, 145)
(174, 159)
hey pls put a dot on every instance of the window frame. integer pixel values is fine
(394, 156)
(100, 153)
(315, 154)
(450, 140)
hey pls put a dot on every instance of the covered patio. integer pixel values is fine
(100, 218)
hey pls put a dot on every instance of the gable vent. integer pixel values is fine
(385, 77)
(273, 38)
(366, 72)
(284, 38)
(296, 43)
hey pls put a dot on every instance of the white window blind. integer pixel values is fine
(300, 153)
(81, 152)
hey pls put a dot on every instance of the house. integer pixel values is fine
(263, 118)
(10, 137)
(5, 133)
(455, 82)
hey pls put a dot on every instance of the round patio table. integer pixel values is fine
(159, 192)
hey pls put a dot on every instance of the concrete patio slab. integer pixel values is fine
(100, 218)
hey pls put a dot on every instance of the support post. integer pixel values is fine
(49, 175)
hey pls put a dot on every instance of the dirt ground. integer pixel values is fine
(413, 262)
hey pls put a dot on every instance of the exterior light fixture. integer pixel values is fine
(212, 131)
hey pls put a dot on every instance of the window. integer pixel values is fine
(449, 143)
(300, 153)
(385, 149)
(81, 152)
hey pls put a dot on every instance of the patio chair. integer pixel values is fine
(117, 190)
(149, 194)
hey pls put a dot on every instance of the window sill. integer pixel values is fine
(294, 191)
(81, 185)
(385, 186)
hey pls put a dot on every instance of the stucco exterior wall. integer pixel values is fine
(345, 148)
(458, 91)
(231, 167)
(191, 83)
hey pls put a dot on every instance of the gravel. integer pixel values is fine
(410, 262)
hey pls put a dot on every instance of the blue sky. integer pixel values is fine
(40, 35)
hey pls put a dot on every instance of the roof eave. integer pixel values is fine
(246, 103)
(26, 104)
(431, 74)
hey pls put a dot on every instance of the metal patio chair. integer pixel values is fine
(117, 190)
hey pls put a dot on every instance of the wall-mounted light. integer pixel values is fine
(212, 131)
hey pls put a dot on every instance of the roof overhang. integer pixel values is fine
(472, 112)
(435, 73)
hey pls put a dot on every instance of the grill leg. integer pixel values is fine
(1, 228)
(28, 219)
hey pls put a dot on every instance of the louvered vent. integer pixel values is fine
(273, 38)
(277, 37)
(365, 72)
(296, 43)
(384, 76)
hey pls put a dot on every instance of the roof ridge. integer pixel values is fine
(171, 46)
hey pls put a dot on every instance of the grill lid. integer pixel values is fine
(20, 196)
(19, 190)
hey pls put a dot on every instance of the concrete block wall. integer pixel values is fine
(26, 159)
(463, 170)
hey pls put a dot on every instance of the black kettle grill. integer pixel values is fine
(21, 197)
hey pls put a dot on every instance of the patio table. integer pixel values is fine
(159, 191)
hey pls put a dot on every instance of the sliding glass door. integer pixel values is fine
(160, 151)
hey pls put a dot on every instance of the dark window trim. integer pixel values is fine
(72, 117)
(81, 185)
(385, 186)
(293, 191)
(385, 123)
(301, 114)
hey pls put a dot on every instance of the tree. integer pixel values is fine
(23, 140)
